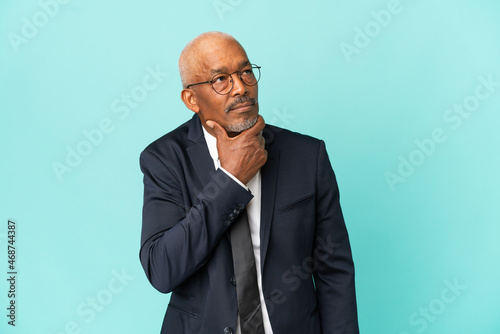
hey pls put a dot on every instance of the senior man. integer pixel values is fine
(241, 220)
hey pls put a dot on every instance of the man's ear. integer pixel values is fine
(188, 96)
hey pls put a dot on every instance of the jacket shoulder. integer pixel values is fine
(176, 137)
(289, 139)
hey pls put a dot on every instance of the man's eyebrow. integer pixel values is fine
(244, 63)
(215, 71)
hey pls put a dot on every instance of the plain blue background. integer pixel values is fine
(374, 90)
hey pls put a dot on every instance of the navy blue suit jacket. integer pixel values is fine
(306, 262)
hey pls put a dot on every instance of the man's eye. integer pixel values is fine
(247, 72)
(221, 78)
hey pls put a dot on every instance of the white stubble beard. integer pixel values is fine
(245, 125)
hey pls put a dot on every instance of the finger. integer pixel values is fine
(219, 131)
(262, 140)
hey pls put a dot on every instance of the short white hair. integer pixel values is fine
(190, 54)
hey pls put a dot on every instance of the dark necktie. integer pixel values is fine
(245, 272)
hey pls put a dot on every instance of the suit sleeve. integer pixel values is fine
(177, 240)
(334, 278)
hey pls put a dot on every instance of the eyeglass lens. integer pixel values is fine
(222, 83)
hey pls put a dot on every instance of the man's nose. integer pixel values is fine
(239, 87)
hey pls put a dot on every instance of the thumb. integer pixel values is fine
(217, 129)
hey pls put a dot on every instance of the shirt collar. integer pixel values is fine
(212, 146)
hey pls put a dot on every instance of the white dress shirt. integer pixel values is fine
(253, 213)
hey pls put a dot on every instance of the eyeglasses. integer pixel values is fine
(222, 83)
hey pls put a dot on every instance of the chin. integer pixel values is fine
(242, 126)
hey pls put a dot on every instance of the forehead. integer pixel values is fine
(222, 56)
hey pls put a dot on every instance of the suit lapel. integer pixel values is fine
(198, 153)
(269, 178)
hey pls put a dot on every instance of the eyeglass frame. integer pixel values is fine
(231, 76)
